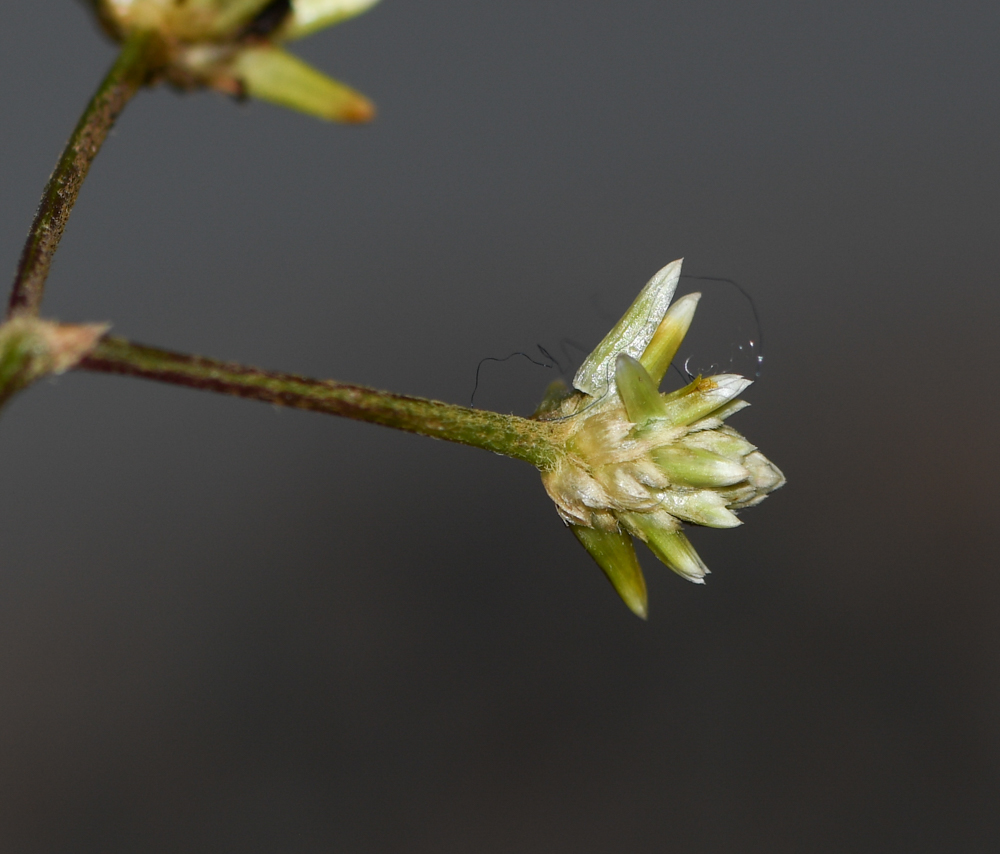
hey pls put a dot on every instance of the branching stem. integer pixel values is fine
(521, 438)
(121, 83)
(510, 435)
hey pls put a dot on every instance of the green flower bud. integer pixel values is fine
(232, 46)
(641, 463)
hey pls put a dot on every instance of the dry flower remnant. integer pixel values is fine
(639, 463)
(235, 47)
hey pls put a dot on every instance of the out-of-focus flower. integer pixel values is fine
(234, 46)
(639, 463)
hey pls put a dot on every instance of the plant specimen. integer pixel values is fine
(618, 458)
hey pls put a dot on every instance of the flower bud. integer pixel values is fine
(233, 46)
(641, 463)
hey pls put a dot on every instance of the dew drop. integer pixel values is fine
(725, 337)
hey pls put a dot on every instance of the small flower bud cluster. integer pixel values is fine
(233, 46)
(639, 463)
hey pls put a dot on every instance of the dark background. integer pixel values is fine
(225, 627)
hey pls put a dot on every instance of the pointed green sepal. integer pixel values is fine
(666, 341)
(638, 391)
(615, 554)
(671, 547)
(702, 507)
(703, 397)
(631, 334)
(724, 441)
(698, 467)
(308, 16)
(271, 74)
(729, 409)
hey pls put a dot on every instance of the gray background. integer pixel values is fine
(225, 627)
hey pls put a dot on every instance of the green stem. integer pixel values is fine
(122, 82)
(521, 438)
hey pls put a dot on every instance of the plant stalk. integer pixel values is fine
(126, 76)
(521, 438)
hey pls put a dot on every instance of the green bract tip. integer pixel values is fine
(614, 554)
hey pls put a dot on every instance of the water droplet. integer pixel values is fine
(725, 337)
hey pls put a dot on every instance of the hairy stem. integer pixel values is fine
(121, 83)
(521, 438)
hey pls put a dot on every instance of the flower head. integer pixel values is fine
(234, 46)
(639, 463)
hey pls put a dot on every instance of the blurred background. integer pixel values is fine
(225, 627)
